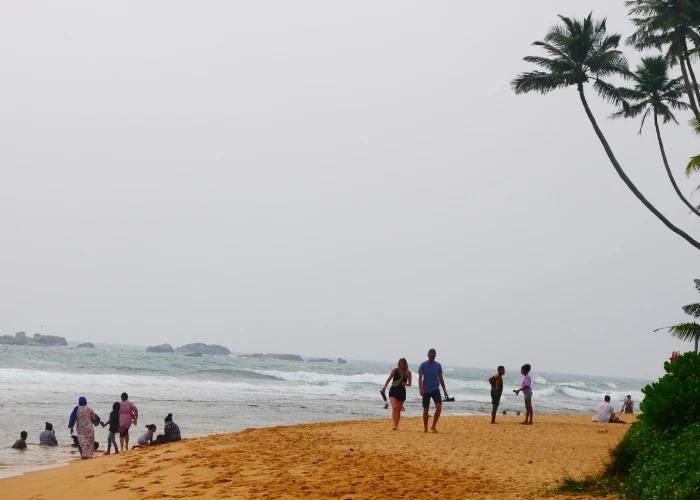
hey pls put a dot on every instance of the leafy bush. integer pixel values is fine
(639, 438)
(666, 464)
(674, 401)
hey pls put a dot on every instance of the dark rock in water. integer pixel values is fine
(213, 349)
(254, 355)
(165, 348)
(87, 345)
(286, 357)
(194, 355)
(49, 339)
(319, 360)
(341, 361)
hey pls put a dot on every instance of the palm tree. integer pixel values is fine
(581, 52)
(655, 93)
(669, 23)
(687, 331)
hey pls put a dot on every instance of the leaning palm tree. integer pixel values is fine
(582, 52)
(687, 331)
(669, 23)
(655, 93)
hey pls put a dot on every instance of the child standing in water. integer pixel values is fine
(527, 392)
(113, 423)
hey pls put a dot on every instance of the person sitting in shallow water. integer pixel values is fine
(76, 443)
(21, 443)
(48, 437)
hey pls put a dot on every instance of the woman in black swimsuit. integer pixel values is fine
(400, 378)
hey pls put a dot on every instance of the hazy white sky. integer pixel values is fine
(348, 179)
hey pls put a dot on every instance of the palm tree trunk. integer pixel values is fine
(696, 345)
(688, 87)
(626, 179)
(668, 169)
(691, 72)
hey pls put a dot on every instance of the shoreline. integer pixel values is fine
(469, 457)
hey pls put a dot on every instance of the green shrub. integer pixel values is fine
(639, 439)
(674, 401)
(666, 464)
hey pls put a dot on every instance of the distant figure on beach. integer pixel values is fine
(171, 430)
(400, 378)
(627, 405)
(145, 439)
(496, 391)
(128, 415)
(21, 443)
(526, 389)
(85, 420)
(429, 381)
(113, 423)
(48, 437)
(606, 412)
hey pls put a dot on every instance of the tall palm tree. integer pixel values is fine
(669, 23)
(581, 52)
(655, 93)
(687, 331)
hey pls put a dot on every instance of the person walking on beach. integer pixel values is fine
(48, 437)
(128, 414)
(526, 389)
(429, 381)
(496, 391)
(113, 423)
(606, 412)
(627, 405)
(400, 378)
(84, 419)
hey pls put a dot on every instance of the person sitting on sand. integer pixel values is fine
(606, 412)
(171, 430)
(21, 443)
(128, 416)
(400, 378)
(429, 382)
(48, 437)
(496, 391)
(526, 389)
(145, 439)
(113, 423)
(628, 405)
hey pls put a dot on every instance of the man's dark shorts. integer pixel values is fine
(124, 434)
(495, 398)
(435, 396)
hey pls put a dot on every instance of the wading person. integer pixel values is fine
(429, 381)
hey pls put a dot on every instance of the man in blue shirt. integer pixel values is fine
(429, 381)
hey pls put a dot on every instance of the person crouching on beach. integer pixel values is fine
(21, 443)
(400, 378)
(113, 423)
(496, 391)
(429, 382)
(527, 392)
(145, 439)
(171, 430)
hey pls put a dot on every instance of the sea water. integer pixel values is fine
(220, 394)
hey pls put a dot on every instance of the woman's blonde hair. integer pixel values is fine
(398, 367)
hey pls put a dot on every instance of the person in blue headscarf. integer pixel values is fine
(85, 420)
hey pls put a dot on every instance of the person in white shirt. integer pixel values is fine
(606, 412)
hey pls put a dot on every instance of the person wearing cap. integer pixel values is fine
(429, 381)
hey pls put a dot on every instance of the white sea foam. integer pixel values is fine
(545, 392)
(323, 378)
(610, 384)
(539, 380)
(572, 384)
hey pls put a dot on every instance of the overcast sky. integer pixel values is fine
(350, 179)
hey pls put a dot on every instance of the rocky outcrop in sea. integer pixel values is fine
(163, 348)
(20, 338)
(212, 349)
(87, 345)
(286, 357)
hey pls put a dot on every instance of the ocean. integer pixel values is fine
(221, 394)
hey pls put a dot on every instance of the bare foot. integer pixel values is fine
(108, 453)
(523, 423)
(493, 421)
(433, 429)
(394, 428)
(426, 430)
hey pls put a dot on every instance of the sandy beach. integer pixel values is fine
(468, 458)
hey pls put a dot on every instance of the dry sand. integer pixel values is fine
(468, 458)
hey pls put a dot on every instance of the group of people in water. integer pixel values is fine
(124, 414)
(430, 380)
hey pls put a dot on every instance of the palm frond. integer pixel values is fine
(685, 331)
(692, 310)
(693, 166)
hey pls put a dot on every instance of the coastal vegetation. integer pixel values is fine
(660, 456)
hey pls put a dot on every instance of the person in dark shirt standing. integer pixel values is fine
(429, 381)
(496, 391)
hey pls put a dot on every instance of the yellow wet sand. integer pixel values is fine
(467, 458)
